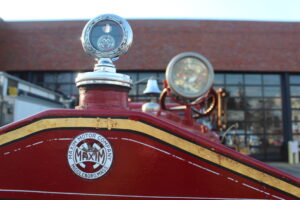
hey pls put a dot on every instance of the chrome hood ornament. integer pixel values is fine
(106, 37)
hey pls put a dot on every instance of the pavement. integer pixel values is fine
(293, 169)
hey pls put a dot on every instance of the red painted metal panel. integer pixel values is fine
(142, 167)
(36, 167)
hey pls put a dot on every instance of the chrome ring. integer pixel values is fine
(122, 48)
(170, 68)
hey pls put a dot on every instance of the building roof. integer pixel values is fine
(229, 45)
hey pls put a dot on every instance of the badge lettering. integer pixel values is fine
(90, 155)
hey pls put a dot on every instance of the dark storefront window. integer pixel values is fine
(64, 82)
(254, 102)
(295, 105)
(60, 82)
(140, 82)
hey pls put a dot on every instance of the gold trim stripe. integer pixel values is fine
(127, 124)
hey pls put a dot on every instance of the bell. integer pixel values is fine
(152, 87)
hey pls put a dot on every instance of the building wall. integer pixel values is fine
(229, 45)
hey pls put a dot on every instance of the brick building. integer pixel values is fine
(258, 63)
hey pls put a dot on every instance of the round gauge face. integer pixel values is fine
(190, 75)
(106, 36)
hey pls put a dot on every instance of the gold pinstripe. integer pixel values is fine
(178, 142)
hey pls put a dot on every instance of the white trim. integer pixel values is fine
(120, 195)
(147, 145)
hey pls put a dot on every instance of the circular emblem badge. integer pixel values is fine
(90, 155)
(106, 43)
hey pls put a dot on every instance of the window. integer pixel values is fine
(295, 104)
(254, 102)
(140, 80)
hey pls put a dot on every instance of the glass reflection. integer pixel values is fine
(295, 90)
(253, 91)
(273, 147)
(64, 77)
(254, 115)
(234, 79)
(272, 103)
(273, 116)
(146, 76)
(254, 140)
(253, 79)
(295, 103)
(294, 79)
(133, 91)
(236, 115)
(50, 77)
(255, 128)
(219, 79)
(106, 36)
(141, 88)
(270, 79)
(237, 103)
(296, 127)
(235, 91)
(275, 140)
(273, 128)
(255, 103)
(296, 115)
(272, 91)
(190, 76)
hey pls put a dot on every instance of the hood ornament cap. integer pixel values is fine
(106, 37)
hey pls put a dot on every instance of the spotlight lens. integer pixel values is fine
(190, 75)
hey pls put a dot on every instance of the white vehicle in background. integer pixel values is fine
(20, 99)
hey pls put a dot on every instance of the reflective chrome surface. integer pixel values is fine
(190, 75)
(106, 36)
(152, 87)
(103, 77)
(105, 65)
(150, 107)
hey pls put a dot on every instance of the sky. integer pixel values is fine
(253, 10)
